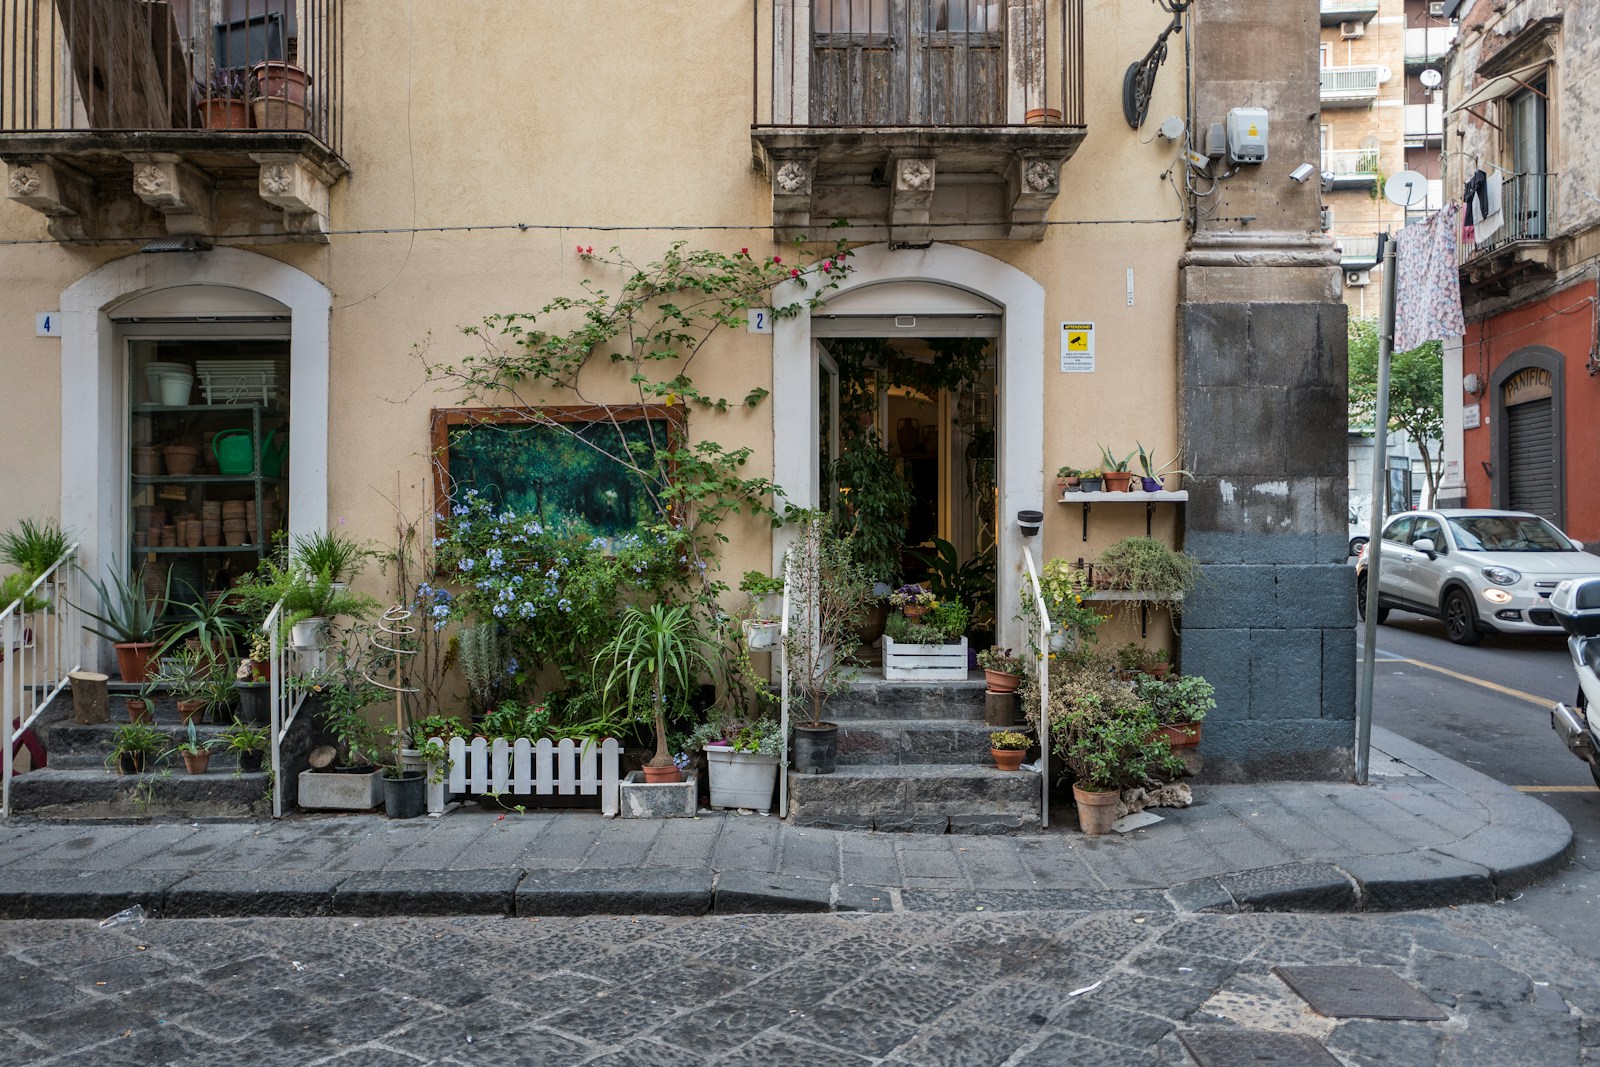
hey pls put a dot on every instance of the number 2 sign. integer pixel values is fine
(760, 320)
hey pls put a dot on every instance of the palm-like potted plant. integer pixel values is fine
(208, 626)
(828, 589)
(655, 657)
(135, 748)
(131, 621)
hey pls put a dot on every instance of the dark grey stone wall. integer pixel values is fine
(1273, 624)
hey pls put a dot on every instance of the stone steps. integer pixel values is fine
(74, 746)
(871, 697)
(101, 794)
(916, 798)
(919, 741)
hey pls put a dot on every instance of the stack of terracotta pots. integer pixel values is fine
(146, 461)
(268, 519)
(235, 529)
(211, 523)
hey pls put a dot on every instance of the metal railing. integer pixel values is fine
(149, 65)
(1527, 213)
(1343, 161)
(1362, 248)
(783, 697)
(874, 63)
(286, 702)
(39, 650)
(1428, 43)
(1350, 82)
(1041, 646)
(1349, 7)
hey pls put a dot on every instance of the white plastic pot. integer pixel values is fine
(741, 779)
(175, 388)
(308, 633)
(760, 634)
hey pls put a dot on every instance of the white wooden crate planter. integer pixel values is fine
(924, 663)
(565, 768)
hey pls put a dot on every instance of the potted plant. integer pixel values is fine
(202, 685)
(208, 625)
(1068, 479)
(332, 554)
(252, 682)
(1115, 471)
(135, 748)
(874, 500)
(222, 100)
(248, 743)
(132, 623)
(33, 547)
(911, 601)
(1073, 620)
(139, 710)
(761, 629)
(279, 95)
(828, 587)
(404, 789)
(1180, 705)
(655, 657)
(1091, 480)
(1008, 747)
(741, 760)
(1152, 474)
(1001, 669)
(932, 648)
(195, 752)
(1161, 575)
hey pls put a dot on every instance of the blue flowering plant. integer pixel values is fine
(555, 599)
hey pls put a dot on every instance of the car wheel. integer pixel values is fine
(1361, 602)
(1356, 545)
(1460, 620)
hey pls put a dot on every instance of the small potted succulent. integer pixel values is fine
(195, 752)
(1091, 480)
(222, 100)
(1001, 669)
(1008, 747)
(1068, 479)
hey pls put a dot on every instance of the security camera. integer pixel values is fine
(1303, 173)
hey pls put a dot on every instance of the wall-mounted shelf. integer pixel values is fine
(1139, 596)
(1149, 500)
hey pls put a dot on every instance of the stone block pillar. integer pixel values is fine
(1263, 392)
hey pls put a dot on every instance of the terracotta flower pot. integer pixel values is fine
(191, 709)
(139, 710)
(661, 775)
(222, 113)
(182, 459)
(914, 611)
(1182, 735)
(196, 762)
(1117, 481)
(133, 660)
(1000, 681)
(1043, 116)
(1096, 810)
(1008, 759)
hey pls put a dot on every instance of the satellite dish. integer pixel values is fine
(1430, 78)
(1406, 188)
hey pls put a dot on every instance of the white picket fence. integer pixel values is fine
(564, 768)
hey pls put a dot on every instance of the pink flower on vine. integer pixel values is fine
(777, 259)
(744, 251)
(794, 272)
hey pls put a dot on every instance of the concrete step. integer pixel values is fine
(931, 798)
(71, 745)
(871, 697)
(170, 793)
(898, 741)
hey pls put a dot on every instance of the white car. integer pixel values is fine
(1478, 571)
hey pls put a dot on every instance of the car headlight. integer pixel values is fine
(1502, 575)
(1497, 596)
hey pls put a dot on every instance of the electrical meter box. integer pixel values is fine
(1247, 135)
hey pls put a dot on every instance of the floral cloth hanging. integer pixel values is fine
(1427, 285)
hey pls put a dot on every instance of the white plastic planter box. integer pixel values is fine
(761, 634)
(567, 768)
(924, 663)
(741, 779)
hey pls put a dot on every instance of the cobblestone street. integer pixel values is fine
(921, 988)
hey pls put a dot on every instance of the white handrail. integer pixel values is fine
(1043, 651)
(283, 711)
(783, 696)
(34, 665)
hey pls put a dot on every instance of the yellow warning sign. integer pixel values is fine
(1077, 348)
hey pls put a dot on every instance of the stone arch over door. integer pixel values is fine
(1019, 365)
(1534, 375)
(224, 282)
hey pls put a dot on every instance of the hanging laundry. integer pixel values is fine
(1427, 285)
(1490, 218)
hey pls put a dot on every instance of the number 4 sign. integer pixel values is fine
(47, 324)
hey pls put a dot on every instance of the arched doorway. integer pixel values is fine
(941, 282)
(1527, 428)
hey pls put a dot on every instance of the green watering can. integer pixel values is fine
(232, 449)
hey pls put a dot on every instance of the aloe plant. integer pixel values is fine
(128, 616)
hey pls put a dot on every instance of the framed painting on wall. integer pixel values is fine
(583, 470)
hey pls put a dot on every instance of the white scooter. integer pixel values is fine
(1576, 603)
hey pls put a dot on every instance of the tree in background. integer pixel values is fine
(1416, 393)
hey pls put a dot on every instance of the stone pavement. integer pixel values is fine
(1097, 988)
(1426, 832)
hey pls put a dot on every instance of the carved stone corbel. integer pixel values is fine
(791, 193)
(911, 197)
(1034, 182)
(55, 191)
(291, 182)
(181, 193)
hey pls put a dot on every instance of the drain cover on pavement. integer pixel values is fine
(1350, 992)
(1254, 1048)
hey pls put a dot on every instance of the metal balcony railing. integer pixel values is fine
(146, 65)
(1345, 161)
(1357, 250)
(940, 63)
(1350, 83)
(1350, 9)
(1424, 121)
(1527, 213)
(1428, 43)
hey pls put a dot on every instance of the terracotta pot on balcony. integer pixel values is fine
(1043, 116)
(274, 77)
(276, 113)
(222, 113)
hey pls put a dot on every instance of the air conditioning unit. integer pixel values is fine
(1436, 8)
(1357, 278)
(1351, 30)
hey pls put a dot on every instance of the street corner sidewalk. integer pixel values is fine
(1426, 832)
